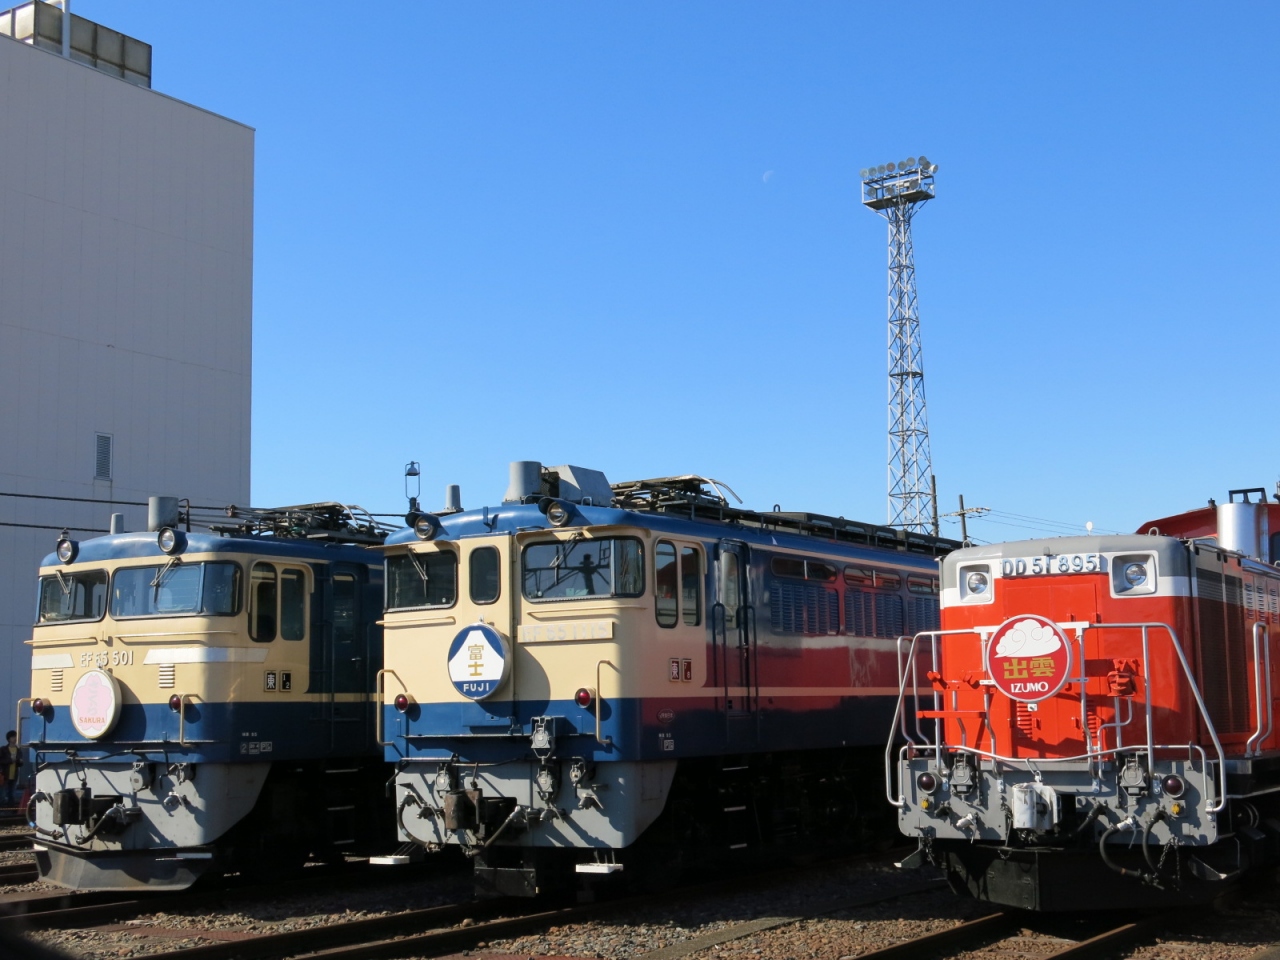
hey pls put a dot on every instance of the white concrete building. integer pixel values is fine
(126, 276)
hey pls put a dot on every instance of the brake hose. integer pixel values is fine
(1146, 835)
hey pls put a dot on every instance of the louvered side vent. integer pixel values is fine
(1024, 719)
(924, 614)
(857, 613)
(1213, 647)
(1237, 651)
(102, 460)
(804, 608)
(55, 681)
(889, 618)
(166, 676)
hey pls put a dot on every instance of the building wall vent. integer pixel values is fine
(102, 460)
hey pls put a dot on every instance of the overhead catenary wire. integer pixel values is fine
(118, 503)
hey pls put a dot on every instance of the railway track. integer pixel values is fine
(999, 930)
(448, 929)
(20, 841)
(71, 909)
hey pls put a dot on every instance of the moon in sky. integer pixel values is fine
(768, 174)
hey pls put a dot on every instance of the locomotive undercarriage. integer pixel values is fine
(641, 823)
(1070, 836)
(126, 823)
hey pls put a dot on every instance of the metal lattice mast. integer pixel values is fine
(896, 191)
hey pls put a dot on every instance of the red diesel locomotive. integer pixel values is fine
(1094, 725)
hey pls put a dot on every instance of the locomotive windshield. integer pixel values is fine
(73, 596)
(574, 569)
(176, 589)
(416, 580)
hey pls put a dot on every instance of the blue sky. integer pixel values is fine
(628, 236)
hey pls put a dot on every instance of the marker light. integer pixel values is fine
(402, 702)
(1135, 574)
(584, 697)
(170, 541)
(1173, 786)
(927, 782)
(977, 582)
(67, 550)
(175, 703)
(38, 707)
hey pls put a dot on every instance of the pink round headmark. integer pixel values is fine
(95, 704)
(1029, 658)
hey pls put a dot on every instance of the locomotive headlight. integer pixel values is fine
(1134, 574)
(426, 527)
(1173, 786)
(557, 512)
(67, 550)
(170, 541)
(927, 782)
(975, 583)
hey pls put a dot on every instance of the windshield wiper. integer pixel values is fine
(564, 557)
(62, 582)
(422, 571)
(158, 582)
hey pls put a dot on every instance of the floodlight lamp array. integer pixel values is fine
(921, 166)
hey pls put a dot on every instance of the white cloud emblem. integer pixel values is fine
(1028, 638)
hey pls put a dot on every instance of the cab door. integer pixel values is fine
(488, 594)
(347, 673)
(734, 631)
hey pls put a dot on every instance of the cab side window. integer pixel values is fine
(483, 570)
(691, 585)
(262, 602)
(293, 604)
(677, 578)
(344, 608)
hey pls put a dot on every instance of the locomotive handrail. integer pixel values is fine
(1028, 764)
(1093, 752)
(1221, 799)
(380, 693)
(898, 719)
(607, 741)
(17, 723)
(1261, 652)
(183, 700)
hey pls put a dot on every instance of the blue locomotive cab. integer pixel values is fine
(585, 666)
(204, 700)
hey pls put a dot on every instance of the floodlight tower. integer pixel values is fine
(896, 191)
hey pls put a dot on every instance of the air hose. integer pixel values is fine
(1146, 835)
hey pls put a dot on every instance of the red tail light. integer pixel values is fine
(175, 703)
(402, 702)
(584, 697)
(38, 707)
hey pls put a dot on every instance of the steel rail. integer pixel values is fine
(377, 936)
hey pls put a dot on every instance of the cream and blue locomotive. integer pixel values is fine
(204, 701)
(586, 677)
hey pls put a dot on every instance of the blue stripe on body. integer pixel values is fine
(216, 732)
(501, 731)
